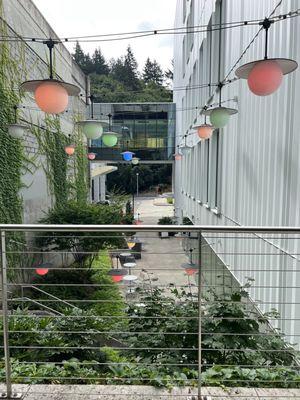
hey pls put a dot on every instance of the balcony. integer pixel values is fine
(204, 312)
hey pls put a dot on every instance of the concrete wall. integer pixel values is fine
(251, 176)
(23, 18)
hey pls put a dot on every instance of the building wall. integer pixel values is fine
(248, 172)
(23, 18)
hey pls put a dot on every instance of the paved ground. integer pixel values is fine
(161, 257)
(98, 392)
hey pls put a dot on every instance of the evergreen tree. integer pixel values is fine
(99, 63)
(131, 78)
(152, 72)
(83, 60)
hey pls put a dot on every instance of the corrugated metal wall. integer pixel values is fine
(258, 160)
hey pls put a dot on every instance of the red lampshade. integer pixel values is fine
(42, 271)
(70, 149)
(91, 156)
(191, 271)
(51, 97)
(265, 77)
(205, 131)
(117, 278)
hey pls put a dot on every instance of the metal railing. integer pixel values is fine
(197, 309)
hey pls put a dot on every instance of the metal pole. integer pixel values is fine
(137, 184)
(199, 317)
(5, 317)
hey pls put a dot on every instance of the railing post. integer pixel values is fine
(199, 316)
(5, 316)
(9, 394)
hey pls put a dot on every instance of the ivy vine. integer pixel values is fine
(11, 150)
(52, 141)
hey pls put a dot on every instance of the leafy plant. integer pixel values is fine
(84, 246)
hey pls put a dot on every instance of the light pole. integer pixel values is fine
(137, 184)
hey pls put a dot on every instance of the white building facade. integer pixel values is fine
(247, 173)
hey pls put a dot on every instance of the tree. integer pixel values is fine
(99, 63)
(124, 69)
(169, 74)
(83, 60)
(152, 72)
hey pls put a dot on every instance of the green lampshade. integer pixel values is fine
(135, 160)
(219, 117)
(92, 129)
(110, 139)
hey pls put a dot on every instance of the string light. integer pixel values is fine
(51, 95)
(265, 76)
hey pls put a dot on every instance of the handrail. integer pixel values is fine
(49, 294)
(147, 228)
(39, 304)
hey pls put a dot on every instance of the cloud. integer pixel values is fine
(145, 26)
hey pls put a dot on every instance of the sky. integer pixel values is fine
(90, 17)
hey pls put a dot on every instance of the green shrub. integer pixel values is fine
(84, 246)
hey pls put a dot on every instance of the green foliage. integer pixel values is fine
(165, 221)
(124, 178)
(81, 179)
(152, 72)
(84, 246)
(48, 338)
(119, 80)
(52, 142)
(276, 377)
(12, 159)
(68, 372)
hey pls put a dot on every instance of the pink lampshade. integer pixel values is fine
(91, 156)
(265, 77)
(70, 149)
(42, 271)
(205, 131)
(178, 157)
(51, 97)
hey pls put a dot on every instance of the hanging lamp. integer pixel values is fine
(91, 128)
(205, 130)
(265, 76)
(110, 138)
(91, 156)
(177, 155)
(131, 242)
(51, 95)
(117, 275)
(127, 155)
(70, 148)
(219, 116)
(135, 160)
(17, 130)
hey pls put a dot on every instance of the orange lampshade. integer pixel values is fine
(205, 131)
(42, 271)
(70, 149)
(91, 156)
(265, 77)
(51, 97)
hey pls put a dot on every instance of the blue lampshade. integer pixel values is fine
(127, 155)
